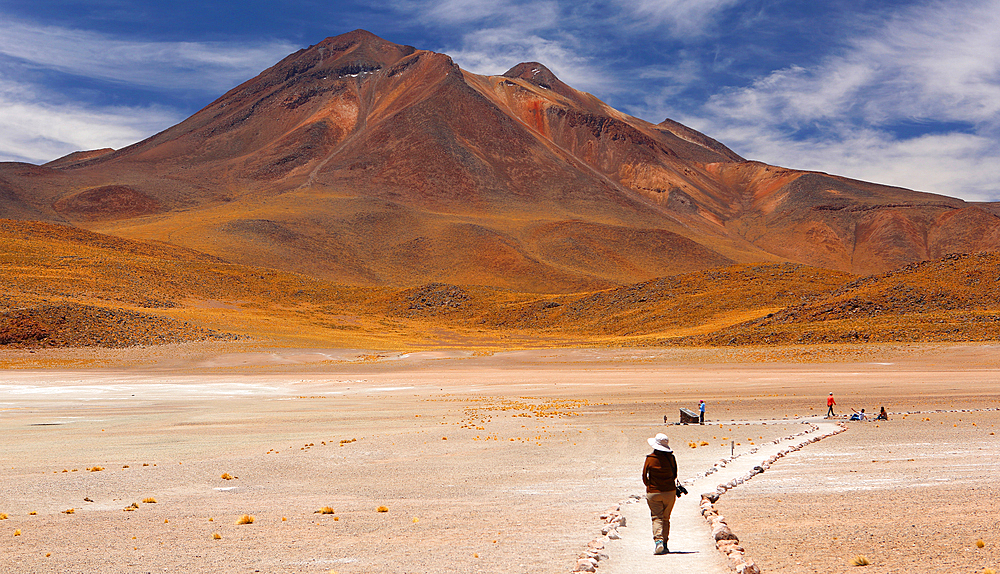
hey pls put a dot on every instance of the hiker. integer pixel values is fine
(659, 474)
(701, 412)
(882, 416)
(829, 406)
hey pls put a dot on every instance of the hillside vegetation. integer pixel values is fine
(62, 286)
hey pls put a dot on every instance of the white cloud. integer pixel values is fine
(493, 51)
(932, 65)
(36, 132)
(680, 17)
(38, 125)
(209, 66)
(525, 16)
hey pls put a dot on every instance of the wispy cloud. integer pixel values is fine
(38, 124)
(679, 17)
(932, 65)
(207, 66)
(34, 131)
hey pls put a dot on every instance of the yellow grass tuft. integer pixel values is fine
(336, 519)
(216, 536)
(989, 571)
(3, 516)
(860, 560)
(980, 543)
(227, 476)
(149, 500)
(245, 519)
(415, 520)
(325, 510)
(382, 509)
(132, 507)
(17, 532)
(32, 513)
(69, 511)
(96, 468)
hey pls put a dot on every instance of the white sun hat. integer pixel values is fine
(660, 442)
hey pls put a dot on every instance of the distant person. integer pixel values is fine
(882, 415)
(859, 416)
(659, 474)
(701, 412)
(829, 406)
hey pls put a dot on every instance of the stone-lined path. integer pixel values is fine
(692, 544)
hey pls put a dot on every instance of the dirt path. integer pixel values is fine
(692, 546)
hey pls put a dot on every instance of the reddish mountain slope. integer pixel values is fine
(367, 162)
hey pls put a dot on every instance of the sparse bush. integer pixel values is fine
(245, 519)
(325, 510)
(860, 560)
(227, 476)
(149, 500)
(216, 536)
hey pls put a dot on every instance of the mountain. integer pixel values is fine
(365, 162)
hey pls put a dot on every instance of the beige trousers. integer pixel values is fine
(660, 506)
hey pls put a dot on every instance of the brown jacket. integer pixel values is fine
(659, 474)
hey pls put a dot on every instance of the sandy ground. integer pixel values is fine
(484, 464)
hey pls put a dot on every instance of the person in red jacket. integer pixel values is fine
(829, 406)
(659, 474)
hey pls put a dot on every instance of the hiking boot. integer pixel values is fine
(660, 548)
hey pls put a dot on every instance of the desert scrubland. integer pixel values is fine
(492, 462)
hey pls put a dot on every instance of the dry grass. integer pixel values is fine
(245, 519)
(382, 509)
(149, 500)
(325, 510)
(78, 288)
(216, 536)
(69, 511)
(860, 560)
(227, 476)
(980, 543)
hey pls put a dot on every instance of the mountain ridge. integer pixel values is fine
(370, 163)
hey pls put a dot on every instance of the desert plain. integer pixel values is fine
(484, 462)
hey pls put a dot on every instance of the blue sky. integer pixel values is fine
(899, 92)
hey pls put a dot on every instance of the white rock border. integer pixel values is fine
(725, 540)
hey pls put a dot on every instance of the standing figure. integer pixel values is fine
(829, 406)
(659, 474)
(701, 412)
